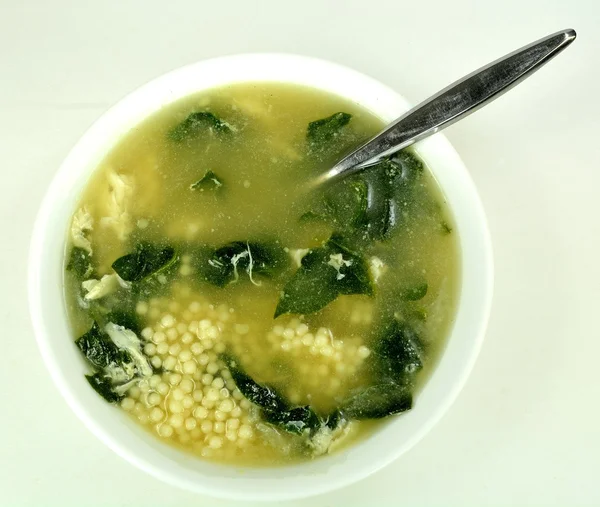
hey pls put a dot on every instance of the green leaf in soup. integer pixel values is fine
(415, 293)
(275, 408)
(264, 396)
(146, 260)
(197, 124)
(347, 203)
(80, 263)
(99, 350)
(446, 229)
(378, 401)
(398, 353)
(296, 420)
(126, 319)
(323, 131)
(226, 264)
(103, 386)
(210, 181)
(324, 274)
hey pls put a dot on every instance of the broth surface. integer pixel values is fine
(144, 192)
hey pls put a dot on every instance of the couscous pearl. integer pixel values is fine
(162, 348)
(149, 349)
(236, 412)
(215, 442)
(172, 334)
(245, 432)
(212, 332)
(176, 407)
(206, 426)
(153, 313)
(197, 395)
(186, 385)
(163, 388)
(237, 394)
(289, 333)
(134, 392)
(175, 349)
(245, 404)
(302, 329)
(204, 324)
(219, 347)
(128, 404)
(218, 383)
(153, 399)
(193, 327)
(308, 339)
(207, 403)
(174, 379)
(169, 363)
(207, 379)
(188, 402)
(177, 394)
(159, 337)
(207, 343)
(196, 433)
(176, 420)
(278, 330)
(197, 348)
(212, 368)
(181, 328)
(224, 392)
(156, 414)
(194, 307)
(230, 384)
(141, 308)
(190, 423)
(219, 427)
(363, 352)
(286, 346)
(156, 362)
(143, 418)
(203, 359)
(154, 380)
(167, 321)
(165, 430)
(189, 367)
(320, 340)
(233, 424)
(226, 405)
(200, 413)
(220, 416)
(212, 394)
(226, 374)
(187, 337)
(147, 333)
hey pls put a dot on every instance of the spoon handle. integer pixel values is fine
(453, 103)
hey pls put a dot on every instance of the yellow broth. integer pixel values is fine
(141, 192)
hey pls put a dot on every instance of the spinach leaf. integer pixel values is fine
(321, 132)
(378, 401)
(145, 261)
(210, 181)
(198, 123)
(103, 386)
(224, 265)
(324, 274)
(415, 293)
(275, 408)
(264, 396)
(126, 319)
(348, 202)
(398, 353)
(80, 263)
(99, 350)
(295, 420)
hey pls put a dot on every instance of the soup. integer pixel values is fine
(238, 316)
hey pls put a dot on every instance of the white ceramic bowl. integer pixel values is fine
(145, 451)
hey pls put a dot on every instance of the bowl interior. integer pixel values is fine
(145, 451)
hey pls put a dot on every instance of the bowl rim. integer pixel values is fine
(41, 230)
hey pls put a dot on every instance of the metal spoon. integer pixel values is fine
(452, 104)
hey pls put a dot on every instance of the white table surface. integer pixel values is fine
(526, 428)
